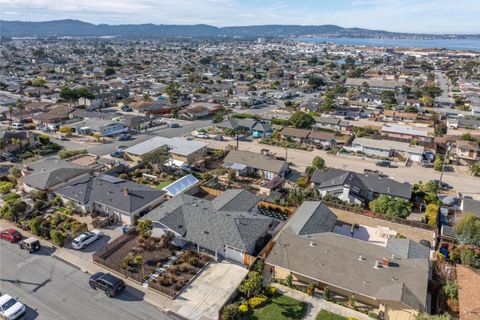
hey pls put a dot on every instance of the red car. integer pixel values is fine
(11, 235)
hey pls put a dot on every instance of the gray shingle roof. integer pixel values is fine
(211, 224)
(256, 160)
(312, 217)
(109, 190)
(407, 249)
(335, 260)
(50, 172)
(365, 182)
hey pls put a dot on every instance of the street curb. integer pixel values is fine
(53, 255)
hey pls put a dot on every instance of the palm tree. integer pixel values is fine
(20, 105)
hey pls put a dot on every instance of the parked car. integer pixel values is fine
(218, 138)
(117, 154)
(17, 126)
(8, 156)
(11, 235)
(174, 125)
(124, 137)
(30, 244)
(442, 185)
(126, 109)
(10, 308)
(86, 238)
(106, 282)
(384, 163)
(202, 136)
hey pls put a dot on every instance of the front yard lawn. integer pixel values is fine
(327, 315)
(279, 307)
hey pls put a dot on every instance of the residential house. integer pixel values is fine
(247, 163)
(106, 128)
(468, 292)
(182, 151)
(375, 84)
(15, 140)
(110, 195)
(407, 132)
(332, 123)
(392, 278)
(466, 152)
(294, 134)
(53, 118)
(258, 128)
(227, 226)
(470, 206)
(50, 173)
(387, 148)
(359, 188)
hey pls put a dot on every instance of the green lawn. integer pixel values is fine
(279, 308)
(327, 315)
(163, 184)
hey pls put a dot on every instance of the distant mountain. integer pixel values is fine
(76, 28)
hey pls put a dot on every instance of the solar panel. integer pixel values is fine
(181, 185)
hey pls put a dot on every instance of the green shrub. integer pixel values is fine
(271, 291)
(34, 225)
(230, 312)
(5, 186)
(11, 197)
(57, 237)
(65, 154)
(327, 294)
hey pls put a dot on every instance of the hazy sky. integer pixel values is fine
(432, 16)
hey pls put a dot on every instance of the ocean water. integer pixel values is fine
(452, 44)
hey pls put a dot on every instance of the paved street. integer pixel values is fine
(459, 178)
(53, 290)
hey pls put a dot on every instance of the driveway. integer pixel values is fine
(204, 297)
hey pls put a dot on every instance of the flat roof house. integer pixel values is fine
(394, 279)
(247, 163)
(358, 188)
(181, 150)
(387, 148)
(408, 132)
(110, 195)
(227, 226)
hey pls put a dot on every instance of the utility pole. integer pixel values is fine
(443, 168)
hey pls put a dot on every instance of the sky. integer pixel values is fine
(421, 16)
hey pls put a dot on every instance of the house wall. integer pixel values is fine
(281, 273)
(398, 313)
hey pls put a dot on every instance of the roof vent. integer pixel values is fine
(361, 258)
(206, 232)
(385, 262)
(376, 265)
(312, 244)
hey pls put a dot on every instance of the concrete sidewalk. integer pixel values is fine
(316, 303)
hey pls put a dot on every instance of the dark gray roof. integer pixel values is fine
(50, 172)
(109, 190)
(310, 218)
(471, 206)
(407, 249)
(364, 181)
(211, 224)
(348, 263)
(256, 160)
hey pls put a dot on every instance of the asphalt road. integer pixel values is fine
(54, 290)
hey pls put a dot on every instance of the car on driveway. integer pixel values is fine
(106, 282)
(86, 238)
(8, 156)
(117, 154)
(11, 235)
(10, 308)
(442, 185)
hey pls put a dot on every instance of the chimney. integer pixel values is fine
(385, 262)
(125, 192)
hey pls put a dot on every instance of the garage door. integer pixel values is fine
(234, 254)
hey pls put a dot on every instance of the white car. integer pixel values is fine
(86, 238)
(10, 308)
(201, 136)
